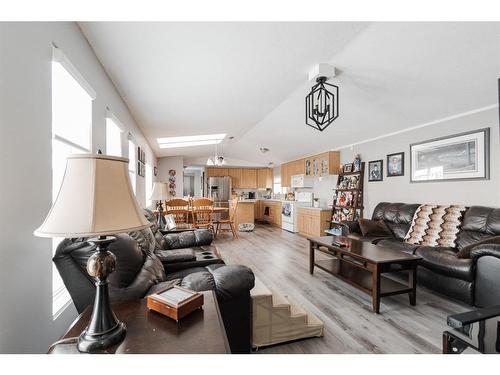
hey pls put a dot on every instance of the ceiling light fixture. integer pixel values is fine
(189, 141)
(263, 149)
(216, 160)
(322, 103)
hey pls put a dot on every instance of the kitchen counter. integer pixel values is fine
(317, 208)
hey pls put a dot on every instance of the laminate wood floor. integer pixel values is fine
(280, 260)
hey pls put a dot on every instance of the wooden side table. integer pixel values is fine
(151, 333)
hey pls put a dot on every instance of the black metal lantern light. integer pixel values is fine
(322, 104)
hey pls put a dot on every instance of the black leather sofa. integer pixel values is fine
(474, 280)
(140, 272)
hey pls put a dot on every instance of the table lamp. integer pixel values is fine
(96, 200)
(160, 193)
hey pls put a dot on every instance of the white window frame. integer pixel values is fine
(60, 296)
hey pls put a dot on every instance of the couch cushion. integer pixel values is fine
(444, 260)
(397, 244)
(376, 228)
(397, 216)
(479, 223)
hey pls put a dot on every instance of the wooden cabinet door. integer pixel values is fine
(235, 174)
(211, 172)
(285, 175)
(269, 178)
(261, 178)
(334, 162)
(222, 172)
(249, 178)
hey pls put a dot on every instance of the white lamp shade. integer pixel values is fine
(160, 192)
(95, 198)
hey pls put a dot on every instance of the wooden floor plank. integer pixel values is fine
(280, 260)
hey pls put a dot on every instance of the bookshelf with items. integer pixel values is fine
(348, 197)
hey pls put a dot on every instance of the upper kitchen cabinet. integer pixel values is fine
(322, 164)
(265, 178)
(217, 172)
(236, 177)
(248, 178)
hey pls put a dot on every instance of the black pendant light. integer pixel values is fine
(322, 104)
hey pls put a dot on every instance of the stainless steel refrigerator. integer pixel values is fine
(219, 189)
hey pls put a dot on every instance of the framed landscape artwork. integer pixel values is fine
(461, 156)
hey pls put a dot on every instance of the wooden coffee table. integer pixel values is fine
(362, 264)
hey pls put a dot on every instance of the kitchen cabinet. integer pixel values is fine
(236, 177)
(312, 222)
(248, 178)
(244, 213)
(270, 212)
(217, 172)
(265, 178)
(326, 163)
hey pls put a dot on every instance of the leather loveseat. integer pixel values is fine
(140, 272)
(474, 280)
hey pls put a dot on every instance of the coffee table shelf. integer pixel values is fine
(361, 278)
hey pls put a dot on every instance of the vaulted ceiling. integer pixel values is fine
(249, 79)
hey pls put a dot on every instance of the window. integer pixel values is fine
(113, 138)
(132, 163)
(71, 133)
(149, 184)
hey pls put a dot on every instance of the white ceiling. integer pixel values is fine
(249, 79)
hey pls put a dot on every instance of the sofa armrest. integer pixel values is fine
(352, 226)
(486, 259)
(485, 250)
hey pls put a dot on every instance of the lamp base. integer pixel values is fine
(104, 329)
(89, 343)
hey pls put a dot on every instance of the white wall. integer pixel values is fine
(399, 189)
(165, 165)
(26, 324)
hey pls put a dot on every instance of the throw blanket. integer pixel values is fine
(434, 225)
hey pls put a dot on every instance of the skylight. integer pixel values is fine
(192, 140)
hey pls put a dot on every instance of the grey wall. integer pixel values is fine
(399, 189)
(26, 323)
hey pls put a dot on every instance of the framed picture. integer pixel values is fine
(347, 168)
(376, 170)
(464, 156)
(396, 164)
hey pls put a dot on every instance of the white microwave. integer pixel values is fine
(302, 181)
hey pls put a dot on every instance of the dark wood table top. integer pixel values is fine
(149, 332)
(364, 250)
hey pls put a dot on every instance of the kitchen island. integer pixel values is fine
(245, 212)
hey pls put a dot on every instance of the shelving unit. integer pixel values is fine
(347, 200)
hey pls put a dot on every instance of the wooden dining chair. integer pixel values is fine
(180, 209)
(202, 213)
(229, 223)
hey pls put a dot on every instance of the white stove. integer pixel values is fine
(289, 210)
